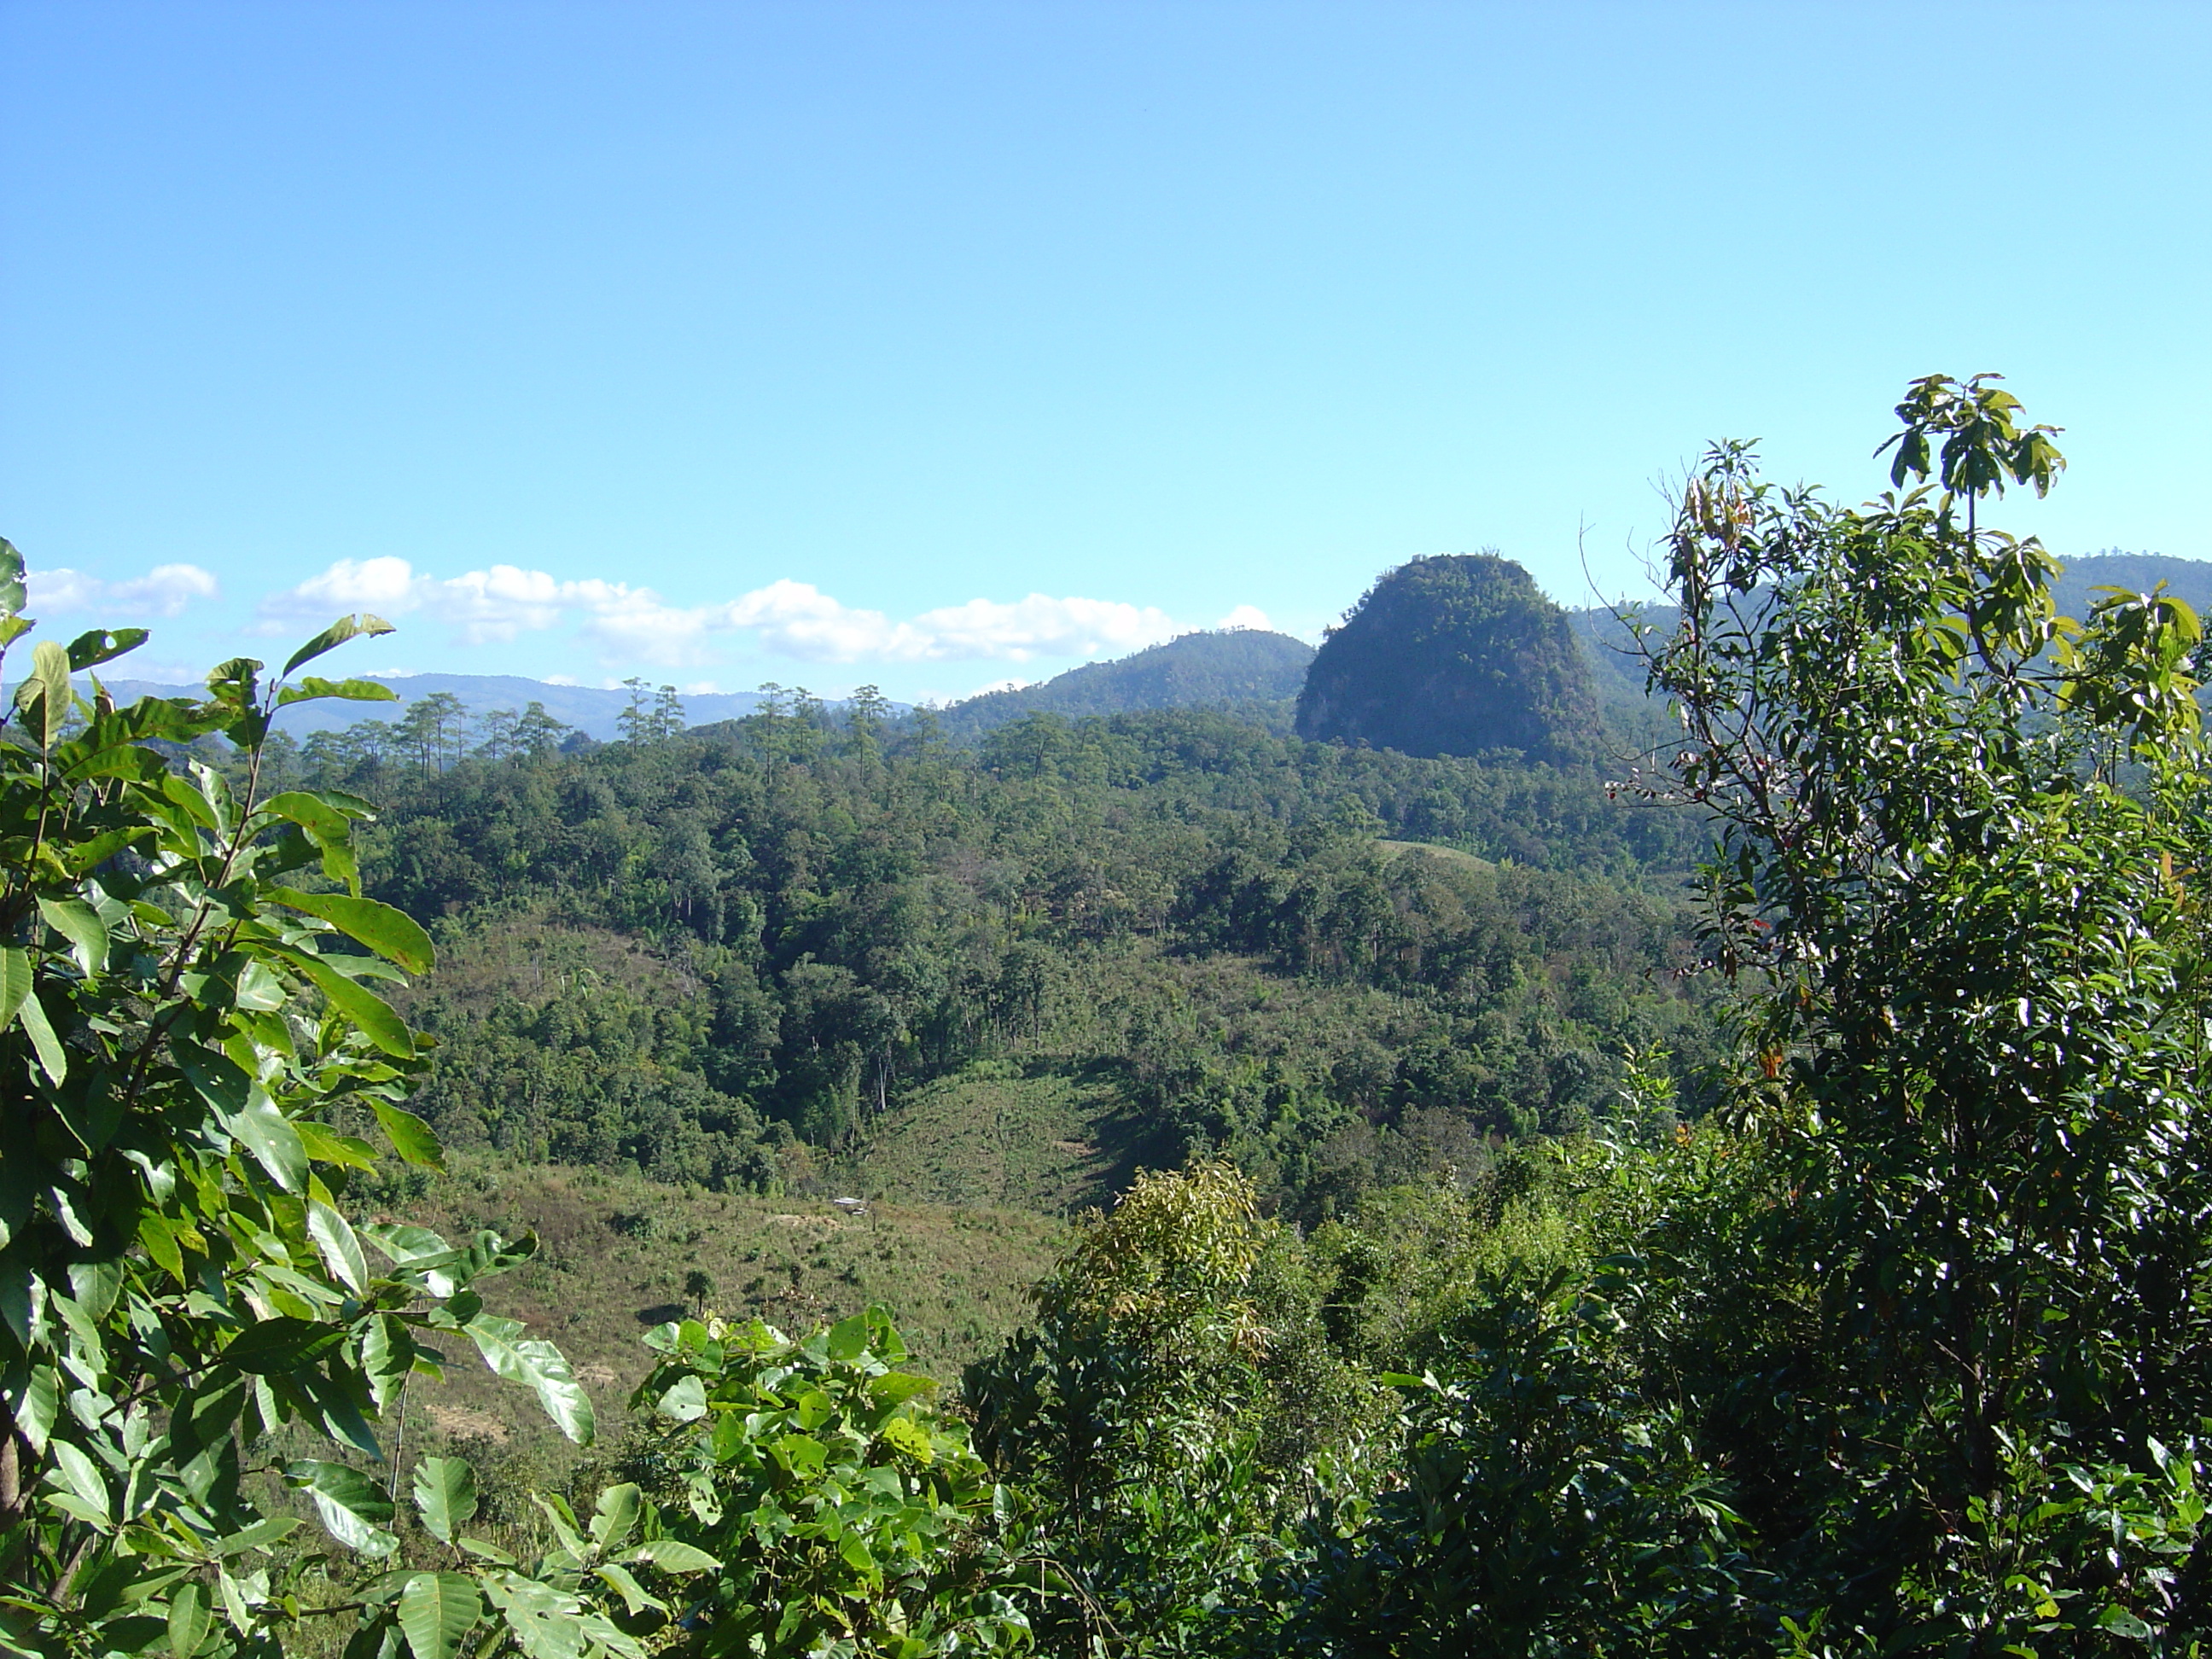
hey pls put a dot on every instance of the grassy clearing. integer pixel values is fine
(615, 1253)
(1451, 856)
(1044, 1145)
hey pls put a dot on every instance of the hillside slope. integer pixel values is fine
(1232, 666)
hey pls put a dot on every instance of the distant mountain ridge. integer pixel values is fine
(1215, 668)
(591, 710)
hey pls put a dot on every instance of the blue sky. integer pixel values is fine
(939, 344)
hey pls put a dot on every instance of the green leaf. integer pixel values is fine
(615, 1516)
(11, 579)
(311, 689)
(159, 1240)
(44, 697)
(38, 1405)
(376, 1017)
(345, 628)
(269, 1530)
(545, 1622)
(189, 1619)
(326, 1146)
(389, 932)
(271, 1347)
(353, 1507)
(437, 1610)
(634, 1595)
(848, 1339)
(80, 924)
(54, 1059)
(335, 1241)
(324, 823)
(685, 1400)
(15, 978)
(904, 1434)
(673, 1555)
(90, 649)
(75, 1475)
(542, 1367)
(445, 1495)
(411, 1138)
(896, 1388)
(312, 813)
(264, 1131)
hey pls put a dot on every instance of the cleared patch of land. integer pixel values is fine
(1394, 849)
(1050, 1145)
(616, 1252)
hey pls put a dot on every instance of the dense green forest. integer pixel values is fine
(1747, 1199)
(719, 955)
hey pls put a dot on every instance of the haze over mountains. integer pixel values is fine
(1256, 672)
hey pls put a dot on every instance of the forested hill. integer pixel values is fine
(730, 955)
(1226, 668)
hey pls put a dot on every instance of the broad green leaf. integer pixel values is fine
(673, 1555)
(326, 1146)
(387, 1354)
(685, 1400)
(615, 1516)
(848, 1339)
(190, 1619)
(11, 579)
(360, 624)
(89, 650)
(37, 1405)
(44, 697)
(389, 932)
(266, 1133)
(541, 1365)
(80, 924)
(445, 1495)
(545, 1622)
(16, 976)
(269, 1530)
(312, 813)
(437, 1610)
(327, 825)
(335, 1241)
(75, 1475)
(311, 689)
(896, 1388)
(54, 1059)
(353, 1507)
(159, 1240)
(412, 1139)
(375, 1017)
(904, 1434)
(271, 1347)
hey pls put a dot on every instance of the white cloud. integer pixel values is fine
(798, 620)
(785, 618)
(164, 591)
(1246, 615)
(481, 606)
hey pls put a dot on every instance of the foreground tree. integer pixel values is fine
(1911, 1359)
(193, 1053)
